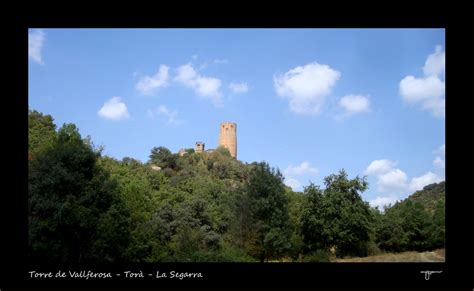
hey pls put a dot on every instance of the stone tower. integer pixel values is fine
(228, 137)
(199, 148)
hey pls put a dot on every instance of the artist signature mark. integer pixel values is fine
(428, 273)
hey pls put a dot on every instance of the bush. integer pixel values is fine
(373, 249)
(318, 256)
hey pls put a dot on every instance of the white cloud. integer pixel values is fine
(418, 183)
(389, 178)
(394, 180)
(436, 106)
(186, 74)
(435, 63)
(419, 90)
(355, 104)
(383, 202)
(428, 92)
(238, 88)
(36, 40)
(148, 85)
(294, 184)
(379, 167)
(439, 161)
(303, 169)
(170, 115)
(114, 109)
(206, 87)
(306, 87)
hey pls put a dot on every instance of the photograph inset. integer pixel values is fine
(236, 145)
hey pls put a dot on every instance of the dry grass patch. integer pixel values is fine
(433, 256)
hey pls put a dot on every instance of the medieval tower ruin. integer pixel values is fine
(199, 148)
(228, 137)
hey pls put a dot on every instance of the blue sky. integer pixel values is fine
(308, 101)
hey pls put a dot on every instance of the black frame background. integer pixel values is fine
(456, 271)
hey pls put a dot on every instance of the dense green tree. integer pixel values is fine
(338, 218)
(163, 157)
(314, 230)
(131, 162)
(437, 230)
(138, 187)
(348, 217)
(41, 132)
(70, 199)
(222, 165)
(242, 233)
(390, 234)
(112, 234)
(269, 208)
(296, 205)
(429, 196)
(417, 223)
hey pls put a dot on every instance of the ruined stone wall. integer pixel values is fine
(199, 148)
(228, 137)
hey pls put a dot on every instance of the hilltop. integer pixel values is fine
(430, 196)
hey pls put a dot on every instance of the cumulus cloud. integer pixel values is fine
(420, 90)
(439, 161)
(36, 40)
(428, 92)
(170, 115)
(394, 180)
(379, 167)
(291, 172)
(206, 87)
(389, 178)
(203, 86)
(302, 169)
(294, 184)
(418, 183)
(114, 109)
(306, 87)
(238, 88)
(353, 104)
(383, 202)
(435, 63)
(149, 84)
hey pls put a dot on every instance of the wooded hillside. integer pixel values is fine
(203, 207)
